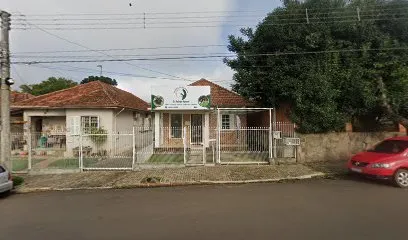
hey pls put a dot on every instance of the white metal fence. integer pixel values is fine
(190, 145)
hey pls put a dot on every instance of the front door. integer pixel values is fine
(196, 128)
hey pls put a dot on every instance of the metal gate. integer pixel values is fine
(252, 136)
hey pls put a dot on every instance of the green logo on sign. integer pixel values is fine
(181, 93)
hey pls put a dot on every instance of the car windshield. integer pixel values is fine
(390, 146)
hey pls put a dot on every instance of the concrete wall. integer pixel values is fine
(337, 146)
(123, 121)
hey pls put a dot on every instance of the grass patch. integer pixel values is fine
(21, 164)
(167, 158)
(17, 181)
(65, 163)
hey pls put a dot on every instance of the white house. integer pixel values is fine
(62, 115)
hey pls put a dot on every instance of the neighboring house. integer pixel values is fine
(16, 118)
(63, 115)
(179, 108)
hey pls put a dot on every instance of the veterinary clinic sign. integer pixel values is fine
(181, 98)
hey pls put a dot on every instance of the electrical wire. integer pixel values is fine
(214, 26)
(126, 49)
(80, 45)
(214, 56)
(91, 71)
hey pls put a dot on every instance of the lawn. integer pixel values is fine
(70, 163)
(65, 163)
(167, 158)
(21, 163)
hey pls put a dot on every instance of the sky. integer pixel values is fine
(136, 77)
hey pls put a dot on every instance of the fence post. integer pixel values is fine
(81, 160)
(271, 158)
(134, 148)
(274, 129)
(185, 145)
(218, 137)
(29, 146)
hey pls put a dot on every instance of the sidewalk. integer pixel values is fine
(168, 177)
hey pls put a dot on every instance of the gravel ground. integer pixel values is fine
(187, 175)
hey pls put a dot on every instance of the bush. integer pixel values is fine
(17, 181)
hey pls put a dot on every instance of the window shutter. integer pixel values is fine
(75, 125)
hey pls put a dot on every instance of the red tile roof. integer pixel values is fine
(91, 95)
(17, 96)
(222, 97)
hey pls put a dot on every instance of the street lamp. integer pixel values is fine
(100, 66)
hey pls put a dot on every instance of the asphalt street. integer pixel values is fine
(315, 209)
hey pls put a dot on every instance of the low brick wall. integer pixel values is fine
(338, 146)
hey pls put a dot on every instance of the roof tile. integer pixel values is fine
(222, 97)
(90, 95)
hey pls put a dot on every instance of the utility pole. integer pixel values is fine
(100, 66)
(5, 146)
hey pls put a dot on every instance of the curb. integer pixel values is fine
(158, 185)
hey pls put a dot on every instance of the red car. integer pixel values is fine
(387, 160)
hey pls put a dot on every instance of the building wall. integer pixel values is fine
(54, 125)
(338, 146)
(232, 136)
(17, 125)
(105, 122)
(123, 121)
(105, 117)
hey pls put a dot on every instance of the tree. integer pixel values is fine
(52, 84)
(330, 70)
(107, 80)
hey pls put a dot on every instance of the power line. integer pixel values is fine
(139, 13)
(118, 55)
(89, 70)
(213, 56)
(126, 21)
(363, 7)
(214, 26)
(128, 49)
(80, 45)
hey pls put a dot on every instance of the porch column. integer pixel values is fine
(157, 129)
(207, 130)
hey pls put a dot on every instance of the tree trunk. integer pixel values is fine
(386, 105)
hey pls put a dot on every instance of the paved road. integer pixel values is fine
(318, 209)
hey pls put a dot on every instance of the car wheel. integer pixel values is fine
(401, 178)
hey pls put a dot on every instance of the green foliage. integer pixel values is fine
(327, 88)
(52, 84)
(17, 181)
(98, 135)
(107, 80)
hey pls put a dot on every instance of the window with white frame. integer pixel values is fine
(225, 121)
(88, 123)
(176, 125)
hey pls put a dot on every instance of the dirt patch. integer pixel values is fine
(188, 175)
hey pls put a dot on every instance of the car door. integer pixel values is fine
(3, 175)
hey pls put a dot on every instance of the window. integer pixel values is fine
(225, 121)
(390, 147)
(88, 123)
(176, 124)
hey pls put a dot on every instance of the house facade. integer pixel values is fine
(179, 119)
(55, 120)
